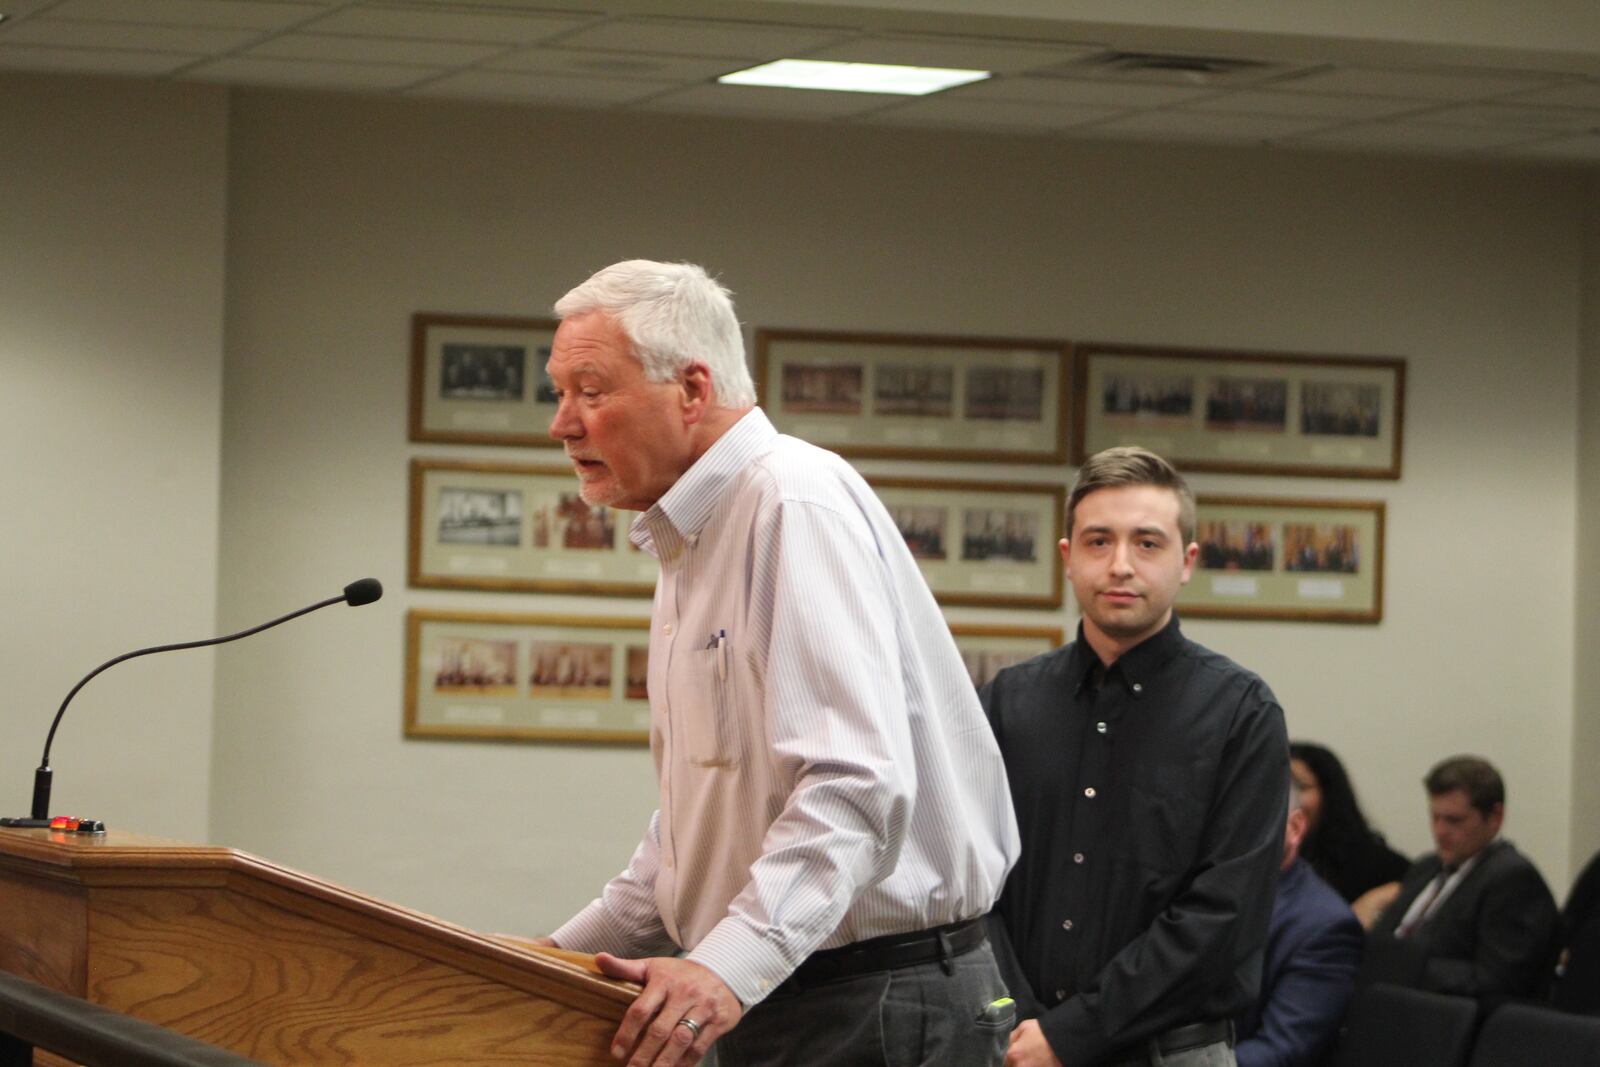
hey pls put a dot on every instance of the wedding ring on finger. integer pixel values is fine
(694, 1027)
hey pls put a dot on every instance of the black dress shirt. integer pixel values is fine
(1151, 798)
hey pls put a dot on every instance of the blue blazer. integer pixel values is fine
(1313, 953)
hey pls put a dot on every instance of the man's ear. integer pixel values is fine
(699, 393)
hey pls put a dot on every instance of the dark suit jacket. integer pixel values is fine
(1493, 937)
(1313, 954)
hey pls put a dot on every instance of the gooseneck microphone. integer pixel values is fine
(359, 592)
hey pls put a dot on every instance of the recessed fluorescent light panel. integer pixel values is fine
(853, 77)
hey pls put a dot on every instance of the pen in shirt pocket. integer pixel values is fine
(722, 655)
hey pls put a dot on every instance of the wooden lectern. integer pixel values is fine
(283, 967)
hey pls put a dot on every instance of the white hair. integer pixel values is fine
(674, 314)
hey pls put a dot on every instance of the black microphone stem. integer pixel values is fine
(41, 778)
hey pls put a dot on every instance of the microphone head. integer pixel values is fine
(363, 591)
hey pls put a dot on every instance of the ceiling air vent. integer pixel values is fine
(1169, 67)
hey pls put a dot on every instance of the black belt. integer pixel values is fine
(940, 944)
(1180, 1039)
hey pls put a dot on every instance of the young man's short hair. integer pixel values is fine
(1132, 465)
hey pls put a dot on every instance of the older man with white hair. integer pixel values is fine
(834, 817)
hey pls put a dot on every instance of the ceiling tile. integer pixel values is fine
(581, 62)
(234, 14)
(1304, 105)
(89, 60)
(508, 85)
(16, 9)
(686, 37)
(1572, 94)
(1512, 116)
(1073, 92)
(1415, 84)
(195, 40)
(373, 50)
(1417, 137)
(1189, 125)
(988, 114)
(962, 53)
(775, 103)
(250, 70)
(1582, 148)
(482, 26)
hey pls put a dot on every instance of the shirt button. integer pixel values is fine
(1100, 726)
(1089, 792)
(1066, 924)
(1077, 857)
(1137, 688)
(693, 539)
(1061, 994)
(667, 629)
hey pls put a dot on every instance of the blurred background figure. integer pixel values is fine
(1339, 844)
(1313, 954)
(1577, 985)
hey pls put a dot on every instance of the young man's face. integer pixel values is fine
(1460, 831)
(1126, 560)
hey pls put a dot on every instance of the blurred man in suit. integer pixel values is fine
(1473, 918)
(1313, 953)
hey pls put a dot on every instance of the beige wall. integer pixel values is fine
(111, 254)
(346, 215)
(1586, 629)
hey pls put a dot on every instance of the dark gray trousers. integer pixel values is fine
(911, 1017)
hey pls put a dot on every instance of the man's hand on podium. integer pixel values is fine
(683, 1008)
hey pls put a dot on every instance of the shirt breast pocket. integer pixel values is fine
(705, 709)
(1163, 829)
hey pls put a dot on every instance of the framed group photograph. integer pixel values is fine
(986, 650)
(509, 528)
(981, 543)
(481, 379)
(526, 677)
(1246, 413)
(1310, 560)
(918, 397)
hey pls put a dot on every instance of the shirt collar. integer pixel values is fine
(683, 510)
(1140, 663)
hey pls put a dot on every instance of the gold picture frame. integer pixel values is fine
(918, 396)
(508, 677)
(987, 649)
(986, 544)
(1243, 412)
(481, 380)
(504, 527)
(1287, 560)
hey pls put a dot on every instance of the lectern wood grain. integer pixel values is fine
(284, 967)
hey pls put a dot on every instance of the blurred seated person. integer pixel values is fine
(1577, 985)
(1473, 918)
(1339, 845)
(1313, 954)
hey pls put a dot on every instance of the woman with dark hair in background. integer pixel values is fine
(1340, 846)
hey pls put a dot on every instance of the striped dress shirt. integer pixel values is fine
(826, 772)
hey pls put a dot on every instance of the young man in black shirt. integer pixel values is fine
(1150, 779)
